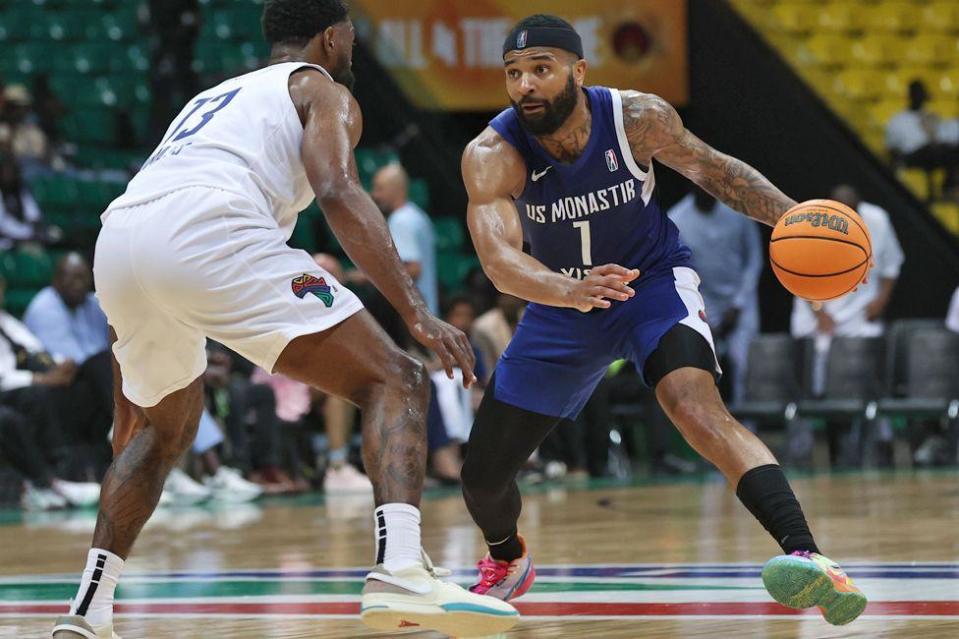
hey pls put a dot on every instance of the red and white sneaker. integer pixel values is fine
(505, 580)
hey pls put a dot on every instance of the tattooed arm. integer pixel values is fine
(654, 129)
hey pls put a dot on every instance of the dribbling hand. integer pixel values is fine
(449, 343)
(604, 283)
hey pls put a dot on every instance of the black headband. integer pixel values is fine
(560, 37)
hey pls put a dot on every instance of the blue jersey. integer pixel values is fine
(598, 209)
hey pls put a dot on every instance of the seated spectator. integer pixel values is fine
(21, 220)
(248, 412)
(461, 313)
(220, 482)
(338, 417)
(36, 386)
(493, 330)
(856, 314)
(293, 402)
(19, 130)
(49, 108)
(67, 319)
(913, 136)
(728, 256)
(859, 313)
(42, 489)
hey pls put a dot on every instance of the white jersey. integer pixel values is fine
(242, 136)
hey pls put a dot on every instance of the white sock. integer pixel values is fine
(94, 600)
(397, 536)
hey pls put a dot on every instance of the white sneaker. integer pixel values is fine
(228, 485)
(76, 627)
(416, 597)
(34, 498)
(77, 493)
(181, 490)
(346, 479)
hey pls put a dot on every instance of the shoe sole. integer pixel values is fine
(799, 583)
(455, 619)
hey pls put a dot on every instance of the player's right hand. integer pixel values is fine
(604, 283)
(448, 342)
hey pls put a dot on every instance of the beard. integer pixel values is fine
(555, 111)
(343, 74)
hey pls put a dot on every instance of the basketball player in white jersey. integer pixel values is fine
(196, 248)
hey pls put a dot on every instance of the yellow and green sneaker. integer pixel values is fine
(806, 579)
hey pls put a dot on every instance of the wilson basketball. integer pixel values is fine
(820, 250)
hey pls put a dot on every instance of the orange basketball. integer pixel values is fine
(820, 250)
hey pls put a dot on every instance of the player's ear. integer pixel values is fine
(329, 38)
(579, 72)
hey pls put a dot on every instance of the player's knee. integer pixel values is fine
(703, 424)
(404, 377)
(407, 374)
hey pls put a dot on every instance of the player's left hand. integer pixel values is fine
(448, 342)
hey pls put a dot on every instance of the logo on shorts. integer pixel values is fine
(305, 284)
(702, 315)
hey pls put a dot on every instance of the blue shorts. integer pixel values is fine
(558, 355)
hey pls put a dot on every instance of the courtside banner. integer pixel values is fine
(447, 54)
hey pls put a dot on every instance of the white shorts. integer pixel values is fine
(200, 262)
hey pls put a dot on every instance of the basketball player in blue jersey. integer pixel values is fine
(569, 168)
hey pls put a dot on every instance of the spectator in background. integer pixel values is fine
(67, 319)
(856, 314)
(411, 229)
(19, 130)
(21, 221)
(461, 313)
(42, 489)
(220, 482)
(174, 25)
(49, 108)
(338, 418)
(34, 385)
(66, 315)
(912, 136)
(728, 256)
(493, 330)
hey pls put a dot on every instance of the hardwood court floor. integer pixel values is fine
(679, 560)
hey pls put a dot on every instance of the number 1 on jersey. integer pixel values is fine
(584, 237)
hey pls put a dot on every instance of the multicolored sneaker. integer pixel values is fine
(806, 579)
(416, 598)
(505, 579)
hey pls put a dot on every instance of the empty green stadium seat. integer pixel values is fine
(93, 126)
(117, 25)
(55, 191)
(419, 193)
(132, 57)
(16, 300)
(32, 58)
(449, 234)
(27, 269)
(452, 268)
